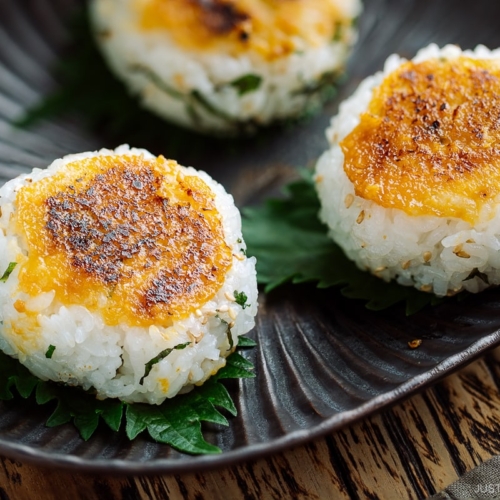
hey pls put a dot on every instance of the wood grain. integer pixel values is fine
(410, 451)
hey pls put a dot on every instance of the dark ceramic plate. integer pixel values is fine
(322, 360)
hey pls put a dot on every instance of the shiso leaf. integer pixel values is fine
(217, 394)
(50, 351)
(246, 83)
(8, 271)
(292, 245)
(162, 355)
(180, 429)
(241, 299)
(237, 367)
(81, 407)
(13, 374)
(26, 384)
(206, 412)
(177, 422)
(246, 342)
(138, 417)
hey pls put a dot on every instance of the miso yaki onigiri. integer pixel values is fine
(410, 187)
(125, 273)
(226, 66)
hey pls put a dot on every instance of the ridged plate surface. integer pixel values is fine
(322, 361)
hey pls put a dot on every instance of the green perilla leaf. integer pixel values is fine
(176, 422)
(292, 245)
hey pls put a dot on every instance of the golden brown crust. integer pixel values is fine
(135, 231)
(269, 28)
(428, 143)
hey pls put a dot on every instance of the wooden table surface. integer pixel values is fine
(409, 451)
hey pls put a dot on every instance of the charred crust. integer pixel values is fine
(431, 127)
(221, 17)
(419, 110)
(119, 226)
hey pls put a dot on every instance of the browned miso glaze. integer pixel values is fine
(221, 17)
(135, 238)
(269, 28)
(429, 143)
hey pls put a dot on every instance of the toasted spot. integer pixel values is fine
(430, 140)
(134, 238)
(269, 28)
(460, 252)
(349, 199)
(427, 256)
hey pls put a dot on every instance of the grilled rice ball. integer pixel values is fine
(410, 187)
(226, 66)
(125, 273)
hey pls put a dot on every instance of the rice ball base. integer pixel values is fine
(121, 256)
(409, 188)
